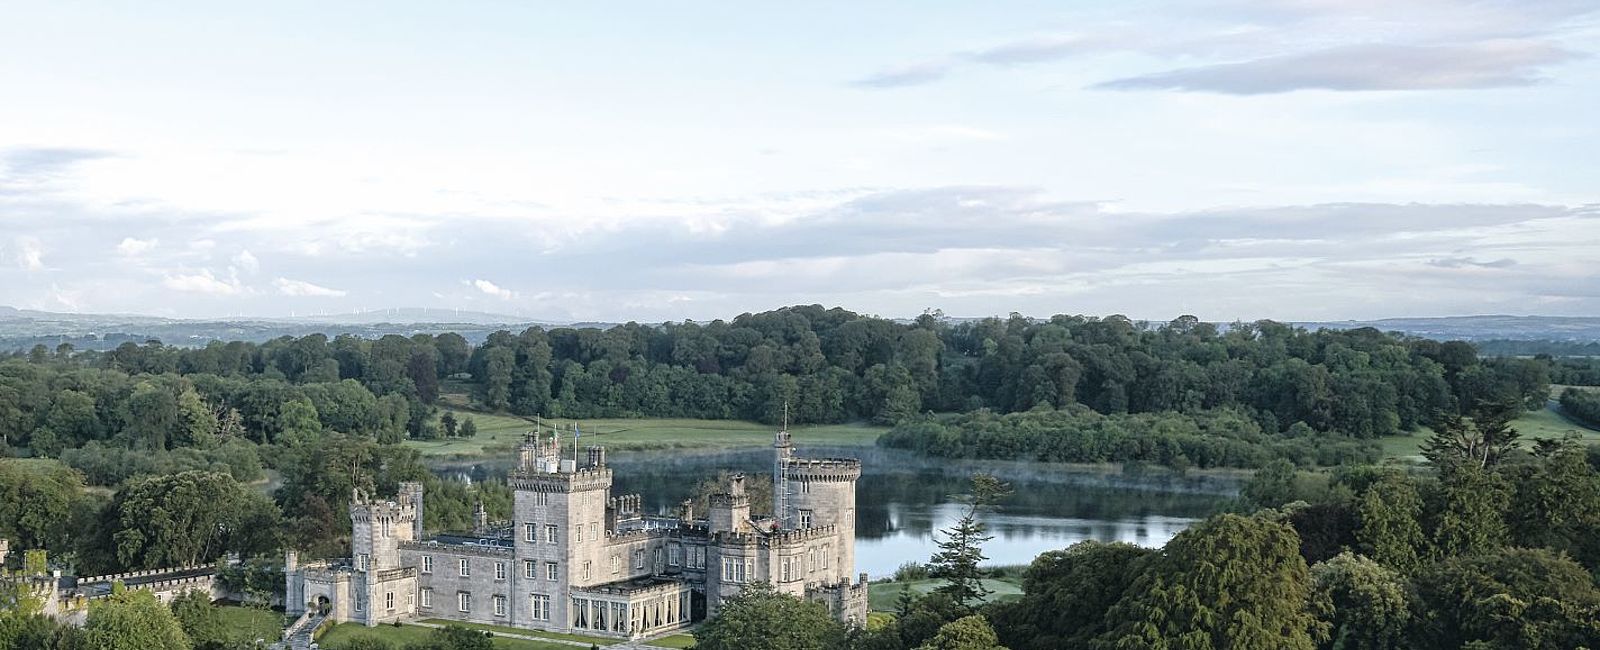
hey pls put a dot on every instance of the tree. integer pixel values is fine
(469, 427)
(968, 633)
(961, 550)
(1066, 594)
(1480, 441)
(184, 519)
(1390, 529)
(1271, 486)
(447, 423)
(759, 618)
(1512, 598)
(133, 620)
(298, 424)
(1467, 515)
(1366, 605)
(1230, 583)
(201, 620)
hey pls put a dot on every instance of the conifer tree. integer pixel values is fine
(961, 550)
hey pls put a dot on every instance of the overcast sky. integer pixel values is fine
(1296, 159)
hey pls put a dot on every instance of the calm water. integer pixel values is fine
(902, 500)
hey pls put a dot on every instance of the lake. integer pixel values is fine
(903, 499)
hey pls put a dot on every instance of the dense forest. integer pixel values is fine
(1067, 388)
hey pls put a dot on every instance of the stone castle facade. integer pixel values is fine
(578, 559)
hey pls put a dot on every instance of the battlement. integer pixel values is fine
(393, 510)
(823, 469)
(578, 480)
(776, 539)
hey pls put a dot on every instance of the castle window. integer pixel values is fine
(541, 607)
(530, 533)
(616, 563)
(463, 601)
(411, 601)
(638, 558)
(594, 530)
(427, 564)
(363, 562)
(388, 600)
(541, 498)
(499, 605)
(580, 612)
(550, 533)
(619, 617)
(827, 555)
(499, 570)
(675, 555)
(577, 533)
(466, 567)
(530, 569)
(387, 531)
(586, 565)
(361, 603)
(805, 518)
(550, 570)
(427, 597)
(601, 610)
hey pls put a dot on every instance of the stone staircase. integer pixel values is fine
(299, 634)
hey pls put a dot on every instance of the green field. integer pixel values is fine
(1543, 423)
(882, 596)
(499, 433)
(404, 634)
(249, 623)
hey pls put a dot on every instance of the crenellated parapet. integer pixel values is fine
(579, 480)
(826, 470)
(476, 550)
(776, 539)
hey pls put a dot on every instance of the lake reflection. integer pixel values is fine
(902, 500)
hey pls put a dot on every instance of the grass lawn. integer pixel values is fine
(501, 432)
(1543, 423)
(674, 641)
(345, 632)
(881, 596)
(601, 641)
(249, 623)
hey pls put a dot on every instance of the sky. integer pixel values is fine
(1287, 159)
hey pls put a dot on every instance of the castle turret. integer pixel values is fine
(822, 492)
(730, 510)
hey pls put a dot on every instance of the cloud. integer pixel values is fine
(1463, 262)
(131, 247)
(37, 162)
(244, 259)
(493, 289)
(202, 282)
(289, 287)
(29, 254)
(1034, 50)
(911, 75)
(1364, 67)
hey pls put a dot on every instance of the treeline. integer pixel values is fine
(1582, 405)
(1076, 434)
(832, 365)
(1532, 348)
(197, 516)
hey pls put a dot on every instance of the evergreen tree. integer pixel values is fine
(759, 618)
(1230, 583)
(1390, 531)
(1366, 605)
(961, 550)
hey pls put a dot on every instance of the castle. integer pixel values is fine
(578, 559)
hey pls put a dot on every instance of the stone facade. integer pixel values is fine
(577, 559)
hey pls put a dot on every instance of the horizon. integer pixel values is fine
(1235, 161)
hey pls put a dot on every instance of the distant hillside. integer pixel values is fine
(1482, 328)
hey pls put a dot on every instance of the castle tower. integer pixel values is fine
(560, 529)
(377, 528)
(822, 492)
(411, 492)
(782, 453)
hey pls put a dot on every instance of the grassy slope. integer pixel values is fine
(249, 624)
(513, 630)
(1543, 423)
(504, 431)
(343, 632)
